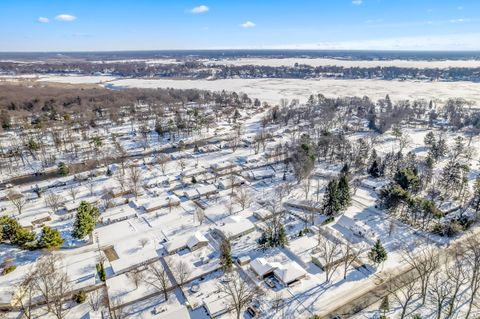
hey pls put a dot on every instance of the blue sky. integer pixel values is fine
(96, 25)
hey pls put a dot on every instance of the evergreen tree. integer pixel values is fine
(476, 196)
(407, 179)
(63, 169)
(331, 199)
(50, 238)
(429, 139)
(344, 192)
(374, 170)
(85, 221)
(226, 255)
(384, 307)
(282, 239)
(377, 254)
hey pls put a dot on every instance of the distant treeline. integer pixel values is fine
(199, 70)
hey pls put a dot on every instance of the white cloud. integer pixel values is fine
(200, 9)
(459, 20)
(43, 20)
(248, 25)
(357, 2)
(65, 17)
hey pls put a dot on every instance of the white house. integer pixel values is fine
(263, 268)
(192, 242)
(117, 214)
(289, 273)
(153, 204)
(233, 227)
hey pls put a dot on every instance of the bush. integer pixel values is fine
(328, 220)
(101, 272)
(8, 269)
(80, 297)
(50, 238)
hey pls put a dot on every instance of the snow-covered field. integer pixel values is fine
(421, 64)
(77, 79)
(272, 90)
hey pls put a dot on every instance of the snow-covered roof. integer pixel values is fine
(262, 213)
(144, 256)
(289, 272)
(118, 213)
(179, 313)
(217, 307)
(181, 242)
(234, 226)
(155, 203)
(206, 189)
(28, 221)
(262, 267)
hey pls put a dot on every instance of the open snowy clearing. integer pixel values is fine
(421, 64)
(272, 90)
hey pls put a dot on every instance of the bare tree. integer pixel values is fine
(243, 198)
(143, 242)
(120, 178)
(200, 214)
(181, 271)
(239, 293)
(305, 183)
(52, 283)
(162, 161)
(157, 277)
(135, 276)
(116, 312)
(351, 254)
(472, 258)
(404, 290)
(440, 289)
(135, 178)
(53, 201)
(457, 274)
(18, 200)
(330, 255)
(424, 262)
(182, 164)
(24, 293)
(95, 299)
(73, 191)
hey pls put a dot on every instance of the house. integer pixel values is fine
(178, 313)
(289, 273)
(29, 222)
(262, 214)
(217, 307)
(94, 315)
(153, 204)
(227, 183)
(132, 261)
(117, 214)
(73, 205)
(234, 227)
(199, 191)
(307, 205)
(358, 228)
(207, 190)
(243, 260)
(118, 192)
(192, 242)
(263, 268)
(258, 175)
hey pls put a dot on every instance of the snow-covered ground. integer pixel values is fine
(272, 90)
